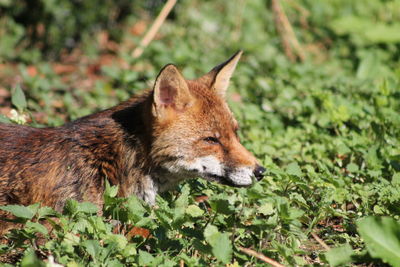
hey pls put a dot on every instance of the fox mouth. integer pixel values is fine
(211, 169)
(223, 180)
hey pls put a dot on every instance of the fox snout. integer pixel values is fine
(241, 176)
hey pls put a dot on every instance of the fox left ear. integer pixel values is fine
(218, 78)
(170, 91)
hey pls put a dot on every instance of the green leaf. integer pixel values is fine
(129, 250)
(340, 255)
(96, 222)
(181, 203)
(223, 206)
(294, 169)
(18, 98)
(46, 212)
(5, 3)
(382, 238)
(4, 119)
(145, 258)
(378, 210)
(351, 167)
(222, 247)
(220, 243)
(369, 65)
(135, 208)
(295, 213)
(110, 191)
(71, 238)
(87, 207)
(31, 260)
(367, 29)
(209, 231)
(396, 178)
(19, 211)
(92, 247)
(119, 240)
(36, 227)
(266, 208)
(194, 211)
(349, 24)
(70, 207)
(383, 33)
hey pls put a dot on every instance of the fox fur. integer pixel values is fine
(180, 129)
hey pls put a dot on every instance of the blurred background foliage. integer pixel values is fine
(326, 126)
(41, 29)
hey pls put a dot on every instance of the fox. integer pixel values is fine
(180, 129)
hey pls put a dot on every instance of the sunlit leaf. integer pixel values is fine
(382, 238)
(340, 255)
(18, 98)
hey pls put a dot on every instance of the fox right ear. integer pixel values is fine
(171, 91)
(218, 78)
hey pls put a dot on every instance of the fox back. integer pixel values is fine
(180, 129)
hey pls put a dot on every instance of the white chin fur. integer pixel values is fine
(210, 165)
(241, 176)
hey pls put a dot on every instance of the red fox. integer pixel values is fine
(180, 129)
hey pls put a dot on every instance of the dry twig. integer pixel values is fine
(286, 32)
(304, 13)
(320, 241)
(154, 28)
(260, 257)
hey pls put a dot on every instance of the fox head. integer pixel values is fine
(194, 131)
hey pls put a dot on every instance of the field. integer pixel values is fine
(323, 117)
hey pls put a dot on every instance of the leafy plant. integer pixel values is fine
(382, 238)
(327, 129)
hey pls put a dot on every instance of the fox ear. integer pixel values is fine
(218, 78)
(170, 90)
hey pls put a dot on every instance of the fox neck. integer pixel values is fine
(128, 131)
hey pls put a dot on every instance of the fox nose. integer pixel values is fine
(259, 172)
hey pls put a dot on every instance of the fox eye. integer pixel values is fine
(211, 140)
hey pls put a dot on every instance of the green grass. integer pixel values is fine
(327, 129)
